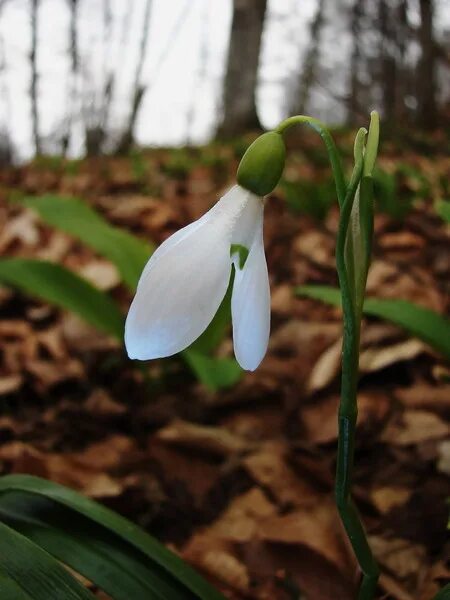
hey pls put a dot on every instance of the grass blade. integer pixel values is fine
(420, 322)
(131, 536)
(10, 590)
(120, 570)
(34, 571)
(126, 251)
(56, 284)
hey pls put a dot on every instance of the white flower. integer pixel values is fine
(186, 278)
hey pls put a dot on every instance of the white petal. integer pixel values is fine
(250, 305)
(246, 227)
(183, 284)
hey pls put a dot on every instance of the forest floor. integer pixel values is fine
(240, 481)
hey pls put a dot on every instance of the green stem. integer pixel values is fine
(333, 154)
(348, 410)
(352, 310)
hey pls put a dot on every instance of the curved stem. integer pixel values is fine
(324, 133)
(348, 411)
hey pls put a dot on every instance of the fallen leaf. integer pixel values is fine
(210, 439)
(101, 273)
(414, 427)
(10, 384)
(387, 497)
(401, 557)
(269, 468)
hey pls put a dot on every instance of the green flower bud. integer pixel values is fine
(262, 165)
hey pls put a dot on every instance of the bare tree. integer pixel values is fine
(355, 60)
(34, 76)
(309, 72)
(97, 98)
(239, 105)
(73, 90)
(427, 71)
(387, 59)
(126, 140)
(6, 147)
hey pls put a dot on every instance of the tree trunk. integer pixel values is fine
(308, 74)
(127, 139)
(73, 85)
(354, 99)
(388, 64)
(239, 102)
(34, 77)
(426, 80)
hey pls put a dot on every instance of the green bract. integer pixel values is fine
(262, 165)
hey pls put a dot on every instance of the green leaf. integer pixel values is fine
(127, 252)
(443, 594)
(34, 571)
(10, 590)
(116, 567)
(124, 536)
(215, 373)
(443, 210)
(56, 284)
(420, 322)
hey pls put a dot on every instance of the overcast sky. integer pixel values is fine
(184, 65)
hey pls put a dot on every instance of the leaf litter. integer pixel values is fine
(238, 482)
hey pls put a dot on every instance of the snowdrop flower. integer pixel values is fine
(186, 278)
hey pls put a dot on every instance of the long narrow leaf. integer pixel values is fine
(127, 252)
(130, 534)
(116, 567)
(420, 322)
(56, 284)
(36, 572)
(10, 590)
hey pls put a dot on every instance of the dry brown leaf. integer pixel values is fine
(216, 558)
(444, 457)
(318, 528)
(211, 439)
(66, 469)
(10, 384)
(281, 299)
(22, 228)
(437, 577)
(100, 403)
(85, 338)
(52, 341)
(319, 418)
(401, 240)
(387, 497)
(326, 368)
(372, 358)
(197, 474)
(243, 518)
(394, 589)
(315, 246)
(56, 247)
(375, 359)
(269, 468)
(401, 557)
(414, 427)
(50, 373)
(101, 273)
(424, 395)
(415, 284)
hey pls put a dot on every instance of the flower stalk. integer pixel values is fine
(353, 252)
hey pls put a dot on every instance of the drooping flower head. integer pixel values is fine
(186, 278)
